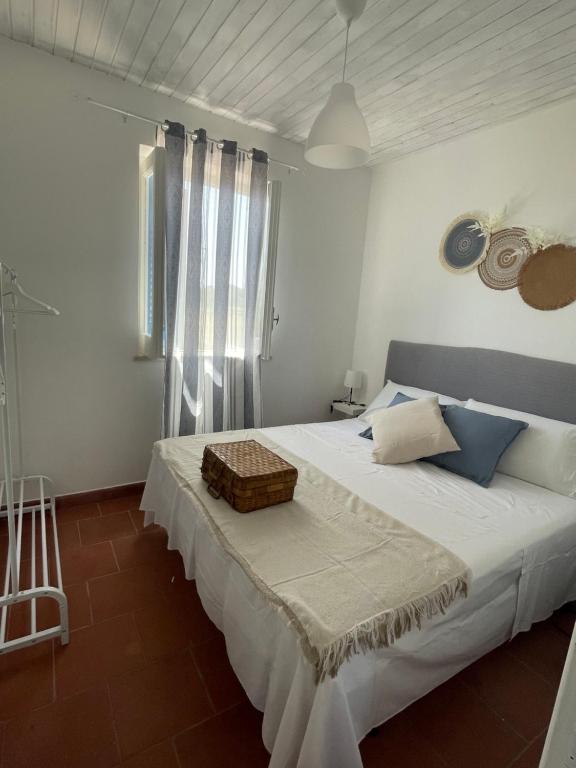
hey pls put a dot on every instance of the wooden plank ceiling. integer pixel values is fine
(424, 70)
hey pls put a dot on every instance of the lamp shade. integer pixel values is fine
(339, 137)
(353, 379)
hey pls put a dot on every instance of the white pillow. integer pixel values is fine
(389, 392)
(410, 431)
(544, 454)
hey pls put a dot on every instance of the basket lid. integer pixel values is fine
(247, 458)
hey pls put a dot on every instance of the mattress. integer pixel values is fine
(519, 541)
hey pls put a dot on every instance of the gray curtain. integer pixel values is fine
(216, 202)
(190, 366)
(174, 141)
(222, 280)
(256, 224)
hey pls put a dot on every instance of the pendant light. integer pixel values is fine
(339, 137)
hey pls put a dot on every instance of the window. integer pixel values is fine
(151, 273)
(151, 282)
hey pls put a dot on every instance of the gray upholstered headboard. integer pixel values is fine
(544, 387)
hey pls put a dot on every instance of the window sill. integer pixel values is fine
(147, 359)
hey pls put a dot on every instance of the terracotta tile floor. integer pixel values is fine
(145, 681)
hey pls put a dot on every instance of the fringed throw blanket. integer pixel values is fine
(347, 576)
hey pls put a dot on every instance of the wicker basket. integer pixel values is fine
(247, 475)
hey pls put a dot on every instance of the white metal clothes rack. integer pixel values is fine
(40, 576)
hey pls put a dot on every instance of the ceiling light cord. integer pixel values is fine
(346, 51)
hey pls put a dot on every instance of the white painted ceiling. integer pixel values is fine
(424, 70)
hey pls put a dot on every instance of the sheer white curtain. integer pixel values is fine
(213, 369)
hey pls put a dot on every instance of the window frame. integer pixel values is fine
(270, 253)
(151, 346)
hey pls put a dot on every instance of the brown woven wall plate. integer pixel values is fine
(248, 475)
(548, 278)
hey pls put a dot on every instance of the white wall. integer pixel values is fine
(406, 294)
(68, 223)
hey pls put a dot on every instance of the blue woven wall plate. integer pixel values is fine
(463, 246)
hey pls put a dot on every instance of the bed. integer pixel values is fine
(518, 539)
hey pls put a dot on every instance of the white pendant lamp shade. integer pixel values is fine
(339, 138)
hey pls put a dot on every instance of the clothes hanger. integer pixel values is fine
(16, 290)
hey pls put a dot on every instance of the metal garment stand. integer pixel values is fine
(44, 577)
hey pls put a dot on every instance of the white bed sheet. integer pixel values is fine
(518, 539)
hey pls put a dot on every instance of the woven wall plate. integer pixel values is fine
(463, 247)
(548, 278)
(508, 250)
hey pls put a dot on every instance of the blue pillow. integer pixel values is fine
(482, 438)
(397, 399)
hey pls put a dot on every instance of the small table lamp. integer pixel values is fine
(352, 380)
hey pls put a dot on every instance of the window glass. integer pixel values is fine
(149, 255)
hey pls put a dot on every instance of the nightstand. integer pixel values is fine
(349, 409)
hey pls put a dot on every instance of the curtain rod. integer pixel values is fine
(162, 124)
